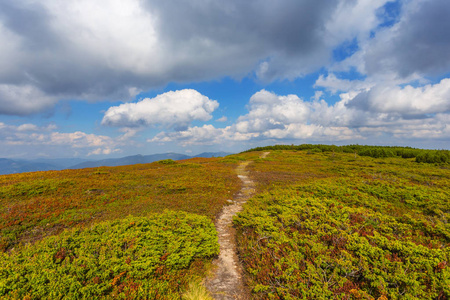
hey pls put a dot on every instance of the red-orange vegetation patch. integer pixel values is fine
(35, 205)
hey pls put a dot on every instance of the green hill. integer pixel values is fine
(112, 232)
(335, 225)
(327, 222)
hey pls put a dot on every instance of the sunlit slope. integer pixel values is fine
(33, 205)
(341, 226)
(324, 225)
(132, 232)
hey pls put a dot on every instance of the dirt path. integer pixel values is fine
(226, 282)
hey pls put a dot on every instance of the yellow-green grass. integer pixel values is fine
(196, 291)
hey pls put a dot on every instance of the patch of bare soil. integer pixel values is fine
(227, 280)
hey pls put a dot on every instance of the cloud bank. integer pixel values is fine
(29, 140)
(287, 118)
(110, 50)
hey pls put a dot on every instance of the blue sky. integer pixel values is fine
(95, 80)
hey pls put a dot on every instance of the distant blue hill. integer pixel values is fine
(62, 163)
(213, 154)
(10, 166)
(129, 160)
(142, 159)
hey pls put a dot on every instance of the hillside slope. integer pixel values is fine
(111, 232)
(13, 166)
(129, 160)
(339, 226)
(323, 224)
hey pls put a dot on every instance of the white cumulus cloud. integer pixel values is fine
(335, 84)
(270, 111)
(272, 117)
(175, 109)
(408, 100)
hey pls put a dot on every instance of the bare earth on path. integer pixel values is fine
(227, 281)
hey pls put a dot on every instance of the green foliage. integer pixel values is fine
(439, 157)
(425, 156)
(302, 248)
(35, 205)
(34, 188)
(328, 226)
(328, 222)
(134, 258)
(167, 162)
(377, 152)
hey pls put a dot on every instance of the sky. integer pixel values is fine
(99, 79)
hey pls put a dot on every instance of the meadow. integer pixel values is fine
(326, 222)
(131, 232)
(335, 225)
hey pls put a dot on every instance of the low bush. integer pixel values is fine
(425, 156)
(150, 257)
(328, 226)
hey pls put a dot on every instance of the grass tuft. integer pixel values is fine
(197, 291)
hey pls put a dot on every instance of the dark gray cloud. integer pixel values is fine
(90, 51)
(419, 43)
(361, 101)
(111, 50)
(293, 27)
(31, 21)
(232, 37)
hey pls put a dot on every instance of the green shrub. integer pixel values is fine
(309, 248)
(425, 156)
(438, 157)
(167, 162)
(132, 258)
(346, 228)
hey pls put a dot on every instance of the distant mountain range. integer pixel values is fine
(10, 166)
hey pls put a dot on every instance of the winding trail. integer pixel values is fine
(227, 282)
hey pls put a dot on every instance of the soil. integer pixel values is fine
(227, 282)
